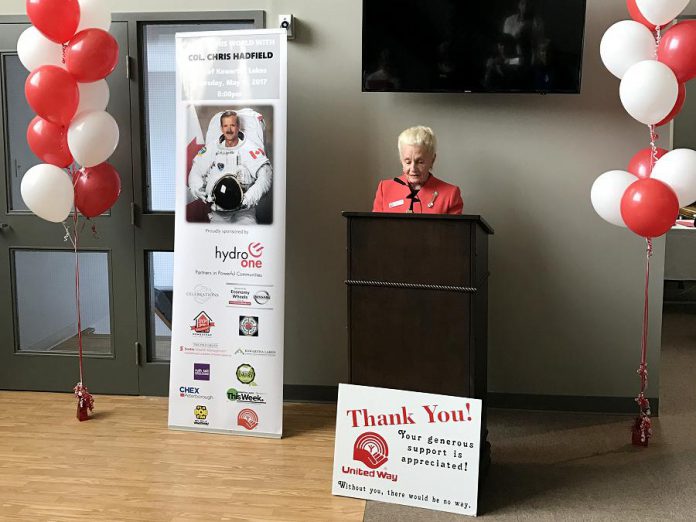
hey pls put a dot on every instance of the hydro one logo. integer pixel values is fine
(255, 249)
(201, 372)
(248, 419)
(372, 450)
(249, 258)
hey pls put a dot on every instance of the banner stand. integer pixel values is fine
(226, 369)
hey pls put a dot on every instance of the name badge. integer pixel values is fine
(396, 203)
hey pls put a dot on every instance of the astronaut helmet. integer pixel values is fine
(225, 193)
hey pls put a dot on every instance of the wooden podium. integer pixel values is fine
(418, 304)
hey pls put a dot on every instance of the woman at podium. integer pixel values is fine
(417, 190)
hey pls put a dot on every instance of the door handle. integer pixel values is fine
(4, 226)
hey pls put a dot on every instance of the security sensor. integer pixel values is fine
(287, 22)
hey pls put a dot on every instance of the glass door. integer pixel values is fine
(37, 266)
(154, 142)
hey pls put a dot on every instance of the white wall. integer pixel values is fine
(566, 287)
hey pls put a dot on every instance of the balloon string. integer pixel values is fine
(77, 292)
(653, 146)
(75, 243)
(643, 403)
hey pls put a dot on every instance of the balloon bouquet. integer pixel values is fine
(653, 66)
(68, 52)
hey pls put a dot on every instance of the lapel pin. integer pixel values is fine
(432, 201)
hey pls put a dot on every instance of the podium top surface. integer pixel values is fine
(443, 217)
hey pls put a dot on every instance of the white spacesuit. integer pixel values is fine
(246, 162)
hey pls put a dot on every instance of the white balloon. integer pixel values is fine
(677, 168)
(606, 194)
(648, 91)
(660, 12)
(35, 50)
(48, 192)
(94, 96)
(92, 137)
(624, 44)
(94, 14)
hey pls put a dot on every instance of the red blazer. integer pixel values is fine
(436, 197)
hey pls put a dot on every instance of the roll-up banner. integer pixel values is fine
(229, 248)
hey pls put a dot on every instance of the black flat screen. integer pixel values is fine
(472, 45)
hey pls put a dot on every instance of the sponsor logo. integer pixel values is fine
(201, 294)
(202, 324)
(201, 414)
(245, 297)
(249, 325)
(371, 449)
(235, 395)
(248, 419)
(262, 297)
(240, 297)
(208, 350)
(255, 249)
(246, 374)
(258, 352)
(249, 258)
(201, 372)
(193, 392)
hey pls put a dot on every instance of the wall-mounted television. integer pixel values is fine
(521, 46)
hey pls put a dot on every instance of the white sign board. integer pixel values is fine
(226, 371)
(410, 448)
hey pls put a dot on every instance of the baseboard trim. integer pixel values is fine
(513, 401)
(310, 393)
(574, 403)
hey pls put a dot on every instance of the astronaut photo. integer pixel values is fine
(231, 173)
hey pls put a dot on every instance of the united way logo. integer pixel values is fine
(248, 326)
(248, 419)
(202, 324)
(371, 449)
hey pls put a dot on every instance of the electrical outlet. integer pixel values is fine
(287, 22)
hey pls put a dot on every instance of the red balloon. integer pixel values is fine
(91, 55)
(677, 50)
(56, 19)
(681, 96)
(637, 15)
(96, 189)
(640, 163)
(49, 142)
(649, 207)
(53, 94)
